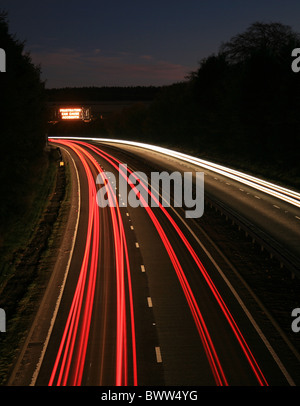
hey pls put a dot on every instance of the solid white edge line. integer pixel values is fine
(39, 364)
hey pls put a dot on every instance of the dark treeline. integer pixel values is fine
(23, 126)
(93, 93)
(241, 106)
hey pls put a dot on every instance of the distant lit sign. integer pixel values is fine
(70, 114)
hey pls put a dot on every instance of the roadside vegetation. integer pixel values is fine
(23, 130)
(29, 178)
(239, 108)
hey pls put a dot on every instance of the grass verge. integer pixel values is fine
(28, 249)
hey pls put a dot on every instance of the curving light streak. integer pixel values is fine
(200, 324)
(122, 260)
(69, 364)
(212, 356)
(272, 189)
(285, 194)
(199, 321)
(68, 351)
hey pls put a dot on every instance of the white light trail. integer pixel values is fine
(272, 189)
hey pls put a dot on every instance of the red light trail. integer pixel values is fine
(121, 256)
(67, 357)
(218, 373)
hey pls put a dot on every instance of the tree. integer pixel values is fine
(23, 124)
(248, 94)
(273, 39)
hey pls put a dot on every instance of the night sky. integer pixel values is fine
(133, 43)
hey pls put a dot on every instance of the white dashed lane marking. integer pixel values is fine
(158, 354)
(149, 300)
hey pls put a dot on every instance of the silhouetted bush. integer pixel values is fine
(243, 102)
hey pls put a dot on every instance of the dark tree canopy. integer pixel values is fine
(273, 39)
(245, 99)
(23, 123)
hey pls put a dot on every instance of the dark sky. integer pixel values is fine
(130, 43)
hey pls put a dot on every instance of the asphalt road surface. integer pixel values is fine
(146, 298)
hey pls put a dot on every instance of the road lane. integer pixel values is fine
(189, 312)
(247, 353)
(278, 361)
(84, 268)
